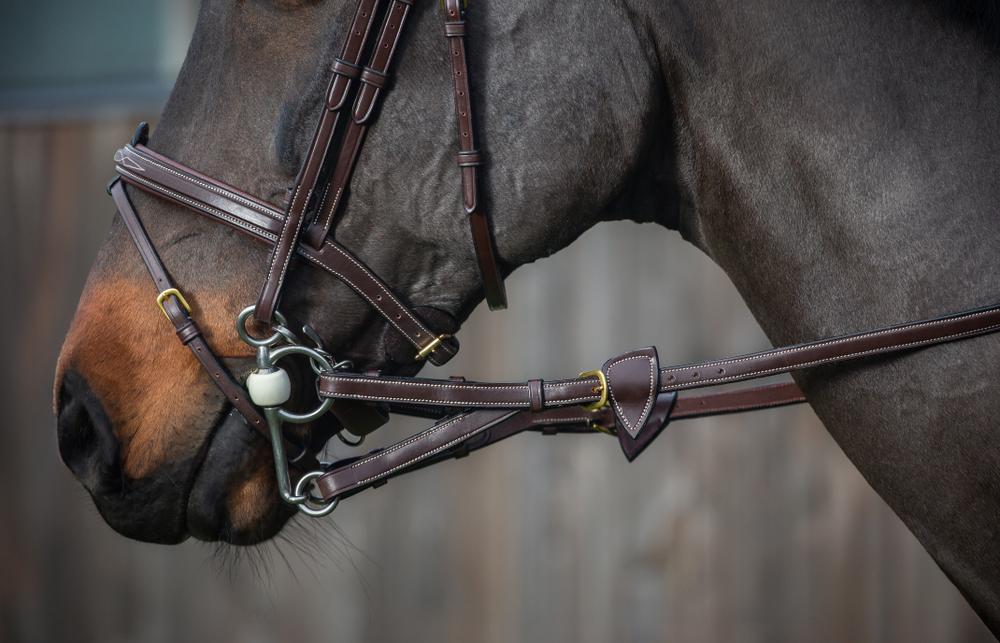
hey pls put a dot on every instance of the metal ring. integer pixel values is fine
(315, 356)
(318, 507)
(241, 328)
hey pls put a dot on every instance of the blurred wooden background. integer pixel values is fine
(746, 528)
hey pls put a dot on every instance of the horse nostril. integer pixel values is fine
(87, 443)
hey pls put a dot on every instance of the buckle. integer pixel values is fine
(601, 388)
(172, 292)
(431, 346)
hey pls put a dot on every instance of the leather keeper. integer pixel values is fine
(371, 77)
(454, 29)
(471, 158)
(536, 397)
(188, 332)
(346, 69)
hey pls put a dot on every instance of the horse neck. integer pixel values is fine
(839, 162)
(834, 163)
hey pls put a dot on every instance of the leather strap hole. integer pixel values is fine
(694, 375)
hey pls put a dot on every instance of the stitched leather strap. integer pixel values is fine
(168, 179)
(586, 390)
(345, 70)
(458, 436)
(187, 329)
(469, 159)
(374, 81)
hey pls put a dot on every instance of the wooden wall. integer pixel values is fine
(749, 528)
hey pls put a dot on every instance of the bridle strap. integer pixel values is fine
(508, 408)
(469, 159)
(584, 390)
(262, 221)
(178, 312)
(345, 70)
(374, 84)
(456, 437)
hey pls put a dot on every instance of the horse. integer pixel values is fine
(836, 160)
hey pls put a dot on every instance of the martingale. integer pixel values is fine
(631, 396)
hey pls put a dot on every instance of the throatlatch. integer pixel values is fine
(631, 396)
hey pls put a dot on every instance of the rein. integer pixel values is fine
(631, 396)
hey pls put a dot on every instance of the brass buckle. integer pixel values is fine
(601, 388)
(172, 292)
(431, 347)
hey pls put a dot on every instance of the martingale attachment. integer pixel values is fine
(641, 411)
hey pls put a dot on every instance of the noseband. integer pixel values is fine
(631, 396)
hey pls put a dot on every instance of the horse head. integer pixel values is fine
(141, 425)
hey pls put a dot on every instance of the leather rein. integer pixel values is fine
(631, 396)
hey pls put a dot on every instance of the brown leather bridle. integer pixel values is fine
(631, 396)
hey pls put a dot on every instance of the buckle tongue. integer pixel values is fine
(172, 292)
(431, 346)
(601, 388)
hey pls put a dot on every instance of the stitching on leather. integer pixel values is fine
(322, 202)
(649, 399)
(435, 385)
(256, 207)
(832, 342)
(358, 290)
(494, 387)
(391, 296)
(419, 400)
(271, 236)
(781, 369)
(459, 403)
(329, 217)
(422, 456)
(407, 442)
(254, 229)
(278, 250)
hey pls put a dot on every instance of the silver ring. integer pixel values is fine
(313, 505)
(241, 328)
(316, 357)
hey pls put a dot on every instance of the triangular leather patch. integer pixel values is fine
(633, 382)
(658, 420)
